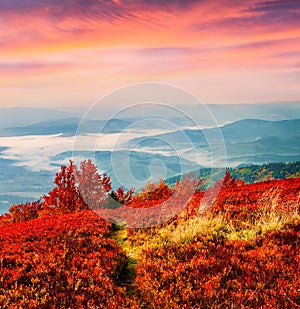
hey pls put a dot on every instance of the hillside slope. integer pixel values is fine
(240, 252)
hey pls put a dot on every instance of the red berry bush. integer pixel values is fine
(65, 261)
(215, 273)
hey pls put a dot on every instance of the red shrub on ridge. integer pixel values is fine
(214, 273)
(248, 202)
(64, 261)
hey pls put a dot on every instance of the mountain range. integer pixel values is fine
(152, 146)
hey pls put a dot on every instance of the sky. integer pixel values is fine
(68, 53)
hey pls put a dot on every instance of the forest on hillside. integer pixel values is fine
(248, 173)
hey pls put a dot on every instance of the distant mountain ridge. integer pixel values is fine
(22, 116)
(223, 113)
(252, 128)
(246, 141)
(68, 127)
(241, 129)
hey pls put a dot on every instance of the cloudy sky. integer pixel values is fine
(62, 53)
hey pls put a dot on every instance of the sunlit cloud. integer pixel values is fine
(80, 50)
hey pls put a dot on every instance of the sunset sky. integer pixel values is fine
(68, 53)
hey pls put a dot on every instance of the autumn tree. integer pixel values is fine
(79, 189)
(92, 186)
(65, 197)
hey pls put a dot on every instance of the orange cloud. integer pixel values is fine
(84, 48)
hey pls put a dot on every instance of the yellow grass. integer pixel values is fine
(194, 228)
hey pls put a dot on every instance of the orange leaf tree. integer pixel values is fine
(92, 186)
(65, 197)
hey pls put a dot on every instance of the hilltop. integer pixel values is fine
(234, 245)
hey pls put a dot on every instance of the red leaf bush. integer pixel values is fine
(65, 261)
(246, 203)
(215, 273)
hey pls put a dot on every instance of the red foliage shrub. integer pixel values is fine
(64, 261)
(25, 212)
(245, 203)
(214, 273)
(5, 219)
(153, 192)
(158, 205)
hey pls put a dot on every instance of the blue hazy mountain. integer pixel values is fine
(22, 120)
(223, 113)
(240, 131)
(254, 128)
(245, 141)
(22, 116)
(68, 127)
